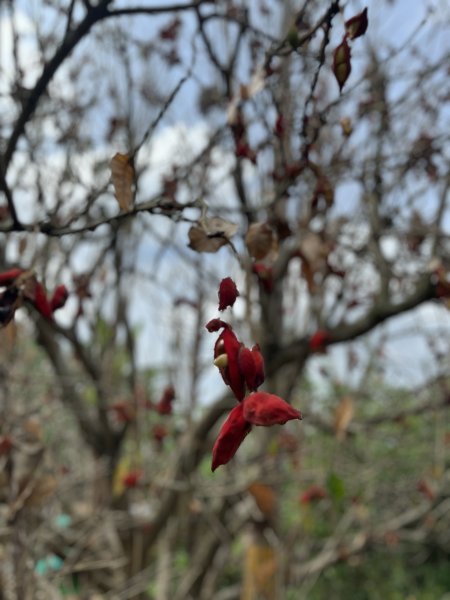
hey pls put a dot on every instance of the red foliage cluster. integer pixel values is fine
(242, 369)
(23, 286)
(164, 406)
(132, 478)
(313, 494)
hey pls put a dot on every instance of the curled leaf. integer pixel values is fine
(215, 324)
(211, 234)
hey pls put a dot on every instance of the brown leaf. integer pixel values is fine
(264, 496)
(260, 240)
(42, 489)
(342, 416)
(341, 63)
(314, 253)
(211, 234)
(122, 175)
(357, 25)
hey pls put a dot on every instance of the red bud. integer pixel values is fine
(231, 435)
(261, 408)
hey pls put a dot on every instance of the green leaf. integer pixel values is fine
(335, 487)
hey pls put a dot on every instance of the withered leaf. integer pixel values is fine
(211, 234)
(260, 240)
(264, 496)
(342, 416)
(122, 175)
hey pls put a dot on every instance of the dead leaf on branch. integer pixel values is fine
(264, 496)
(260, 240)
(342, 417)
(211, 234)
(122, 175)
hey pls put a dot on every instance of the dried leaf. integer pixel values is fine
(342, 416)
(264, 496)
(357, 25)
(42, 489)
(211, 234)
(341, 63)
(260, 240)
(122, 175)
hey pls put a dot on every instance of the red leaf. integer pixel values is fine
(261, 408)
(41, 302)
(59, 297)
(123, 411)
(228, 344)
(231, 435)
(265, 276)
(279, 126)
(215, 325)
(424, 488)
(228, 293)
(6, 445)
(251, 365)
(319, 341)
(341, 63)
(259, 366)
(8, 277)
(159, 432)
(247, 366)
(313, 493)
(357, 25)
(164, 406)
(131, 479)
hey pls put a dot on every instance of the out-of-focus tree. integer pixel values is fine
(149, 151)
